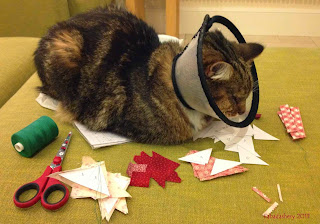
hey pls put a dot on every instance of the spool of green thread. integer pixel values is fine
(35, 136)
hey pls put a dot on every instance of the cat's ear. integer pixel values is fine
(219, 71)
(249, 50)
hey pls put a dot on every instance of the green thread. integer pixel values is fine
(35, 136)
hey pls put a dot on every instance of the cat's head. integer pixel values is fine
(227, 69)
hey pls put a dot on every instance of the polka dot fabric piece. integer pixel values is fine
(291, 118)
(158, 167)
(203, 172)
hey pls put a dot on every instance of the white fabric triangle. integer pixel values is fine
(262, 135)
(92, 178)
(201, 157)
(222, 165)
(248, 158)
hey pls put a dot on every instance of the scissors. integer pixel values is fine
(45, 185)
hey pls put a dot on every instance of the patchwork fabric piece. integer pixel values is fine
(291, 118)
(157, 167)
(203, 172)
(116, 185)
(136, 168)
(288, 120)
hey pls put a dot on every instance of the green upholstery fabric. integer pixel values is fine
(78, 6)
(30, 18)
(286, 76)
(16, 64)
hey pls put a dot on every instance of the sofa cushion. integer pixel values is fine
(30, 18)
(16, 64)
(286, 76)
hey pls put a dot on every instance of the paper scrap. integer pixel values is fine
(262, 135)
(100, 139)
(261, 194)
(201, 157)
(247, 157)
(270, 209)
(222, 165)
(47, 102)
(279, 192)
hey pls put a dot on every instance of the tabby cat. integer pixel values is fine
(110, 72)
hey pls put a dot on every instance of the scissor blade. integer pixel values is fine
(62, 151)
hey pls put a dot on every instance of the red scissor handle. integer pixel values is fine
(39, 184)
(54, 185)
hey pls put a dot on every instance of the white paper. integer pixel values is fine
(262, 135)
(92, 178)
(222, 165)
(247, 143)
(100, 139)
(248, 158)
(201, 157)
(47, 102)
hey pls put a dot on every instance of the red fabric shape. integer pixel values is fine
(174, 178)
(136, 168)
(257, 116)
(140, 179)
(144, 158)
(161, 168)
(158, 167)
(291, 118)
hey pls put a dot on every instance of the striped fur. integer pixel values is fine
(110, 72)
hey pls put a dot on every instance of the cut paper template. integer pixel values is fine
(100, 139)
(291, 118)
(237, 140)
(222, 165)
(116, 186)
(158, 167)
(91, 178)
(247, 157)
(262, 135)
(201, 157)
(203, 172)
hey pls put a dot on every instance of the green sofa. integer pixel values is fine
(286, 76)
(22, 22)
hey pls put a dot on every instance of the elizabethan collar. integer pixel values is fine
(189, 79)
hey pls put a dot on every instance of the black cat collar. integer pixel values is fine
(189, 79)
